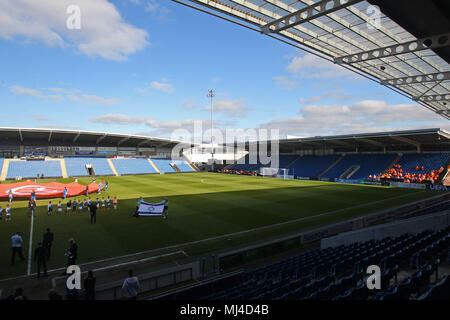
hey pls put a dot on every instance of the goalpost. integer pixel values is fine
(269, 172)
(275, 172)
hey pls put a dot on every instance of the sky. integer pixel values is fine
(145, 66)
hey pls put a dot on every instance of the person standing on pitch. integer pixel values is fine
(47, 242)
(166, 208)
(8, 213)
(72, 253)
(93, 209)
(65, 193)
(49, 208)
(32, 207)
(10, 196)
(40, 255)
(87, 191)
(16, 245)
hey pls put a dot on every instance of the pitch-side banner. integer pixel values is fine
(45, 190)
(151, 209)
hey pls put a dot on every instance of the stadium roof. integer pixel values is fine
(59, 137)
(439, 139)
(407, 49)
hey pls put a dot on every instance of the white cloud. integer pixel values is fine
(72, 94)
(311, 66)
(159, 127)
(62, 90)
(163, 86)
(103, 32)
(33, 92)
(231, 108)
(337, 95)
(190, 104)
(39, 118)
(91, 99)
(362, 116)
(154, 7)
(285, 82)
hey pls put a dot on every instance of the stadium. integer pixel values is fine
(295, 218)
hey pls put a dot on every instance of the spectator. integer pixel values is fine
(131, 286)
(89, 286)
(16, 244)
(17, 296)
(53, 295)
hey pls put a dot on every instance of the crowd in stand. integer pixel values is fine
(418, 176)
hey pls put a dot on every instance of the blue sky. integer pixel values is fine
(144, 67)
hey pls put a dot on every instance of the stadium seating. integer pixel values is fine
(311, 166)
(339, 273)
(430, 161)
(183, 166)
(76, 166)
(133, 166)
(30, 169)
(164, 165)
(369, 164)
(283, 162)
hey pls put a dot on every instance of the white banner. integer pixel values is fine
(151, 209)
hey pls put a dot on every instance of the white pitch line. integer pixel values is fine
(30, 245)
(176, 246)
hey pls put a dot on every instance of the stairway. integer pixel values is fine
(111, 164)
(331, 166)
(4, 171)
(63, 168)
(153, 165)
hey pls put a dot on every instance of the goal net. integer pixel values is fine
(269, 172)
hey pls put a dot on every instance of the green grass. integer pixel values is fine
(201, 205)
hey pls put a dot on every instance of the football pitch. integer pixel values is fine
(208, 212)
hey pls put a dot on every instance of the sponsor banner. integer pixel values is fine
(45, 190)
(438, 187)
(325, 179)
(407, 185)
(84, 150)
(285, 176)
(114, 149)
(146, 149)
(34, 154)
(104, 153)
(10, 148)
(351, 181)
(372, 182)
(61, 150)
(151, 209)
(303, 178)
(126, 153)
